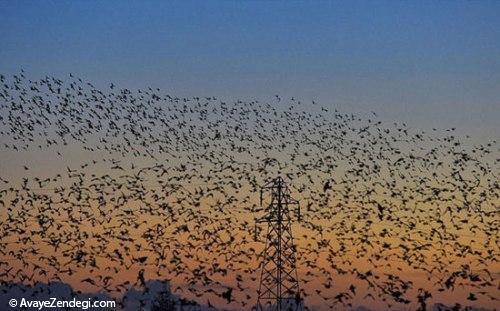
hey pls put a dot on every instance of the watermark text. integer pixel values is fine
(56, 303)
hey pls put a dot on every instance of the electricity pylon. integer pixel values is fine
(279, 285)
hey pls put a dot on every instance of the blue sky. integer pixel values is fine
(428, 63)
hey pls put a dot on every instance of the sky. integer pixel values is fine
(428, 63)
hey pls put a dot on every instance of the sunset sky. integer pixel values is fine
(382, 115)
(429, 63)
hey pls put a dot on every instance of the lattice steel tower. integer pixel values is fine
(279, 285)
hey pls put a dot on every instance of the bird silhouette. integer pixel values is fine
(148, 184)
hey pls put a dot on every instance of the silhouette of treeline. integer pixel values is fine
(154, 296)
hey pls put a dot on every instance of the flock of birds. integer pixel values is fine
(168, 188)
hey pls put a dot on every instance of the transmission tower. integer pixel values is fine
(279, 285)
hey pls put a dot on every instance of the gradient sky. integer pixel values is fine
(428, 63)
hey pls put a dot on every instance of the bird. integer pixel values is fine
(169, 184)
